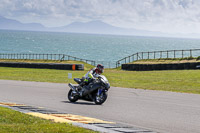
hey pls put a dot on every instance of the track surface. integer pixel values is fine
(165, 112)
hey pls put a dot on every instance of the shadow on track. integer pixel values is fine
(81, 103)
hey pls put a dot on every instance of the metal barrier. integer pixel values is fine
(43, 65)
(169, 54)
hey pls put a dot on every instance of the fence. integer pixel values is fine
(109, 64)
(159, 55)
(45, 57)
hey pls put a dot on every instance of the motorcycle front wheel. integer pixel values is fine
(72, 98)
(101, 98)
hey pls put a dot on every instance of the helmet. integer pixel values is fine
(99, 69)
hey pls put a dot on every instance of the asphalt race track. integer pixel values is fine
(158, 111)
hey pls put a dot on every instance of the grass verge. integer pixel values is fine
(13, 121)
(173, 80)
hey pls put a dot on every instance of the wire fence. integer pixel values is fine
(45, 57)
(169, 54)
(62, 57)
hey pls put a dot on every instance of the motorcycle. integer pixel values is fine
(95, 91)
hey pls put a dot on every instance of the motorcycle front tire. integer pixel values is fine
(105, 95)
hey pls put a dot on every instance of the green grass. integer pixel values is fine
(176, 80)
(16, 122)
(173, 80)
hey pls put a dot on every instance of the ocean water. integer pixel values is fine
(103, 48)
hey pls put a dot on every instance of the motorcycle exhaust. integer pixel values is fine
(71, 86)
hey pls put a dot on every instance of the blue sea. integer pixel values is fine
(103, 48)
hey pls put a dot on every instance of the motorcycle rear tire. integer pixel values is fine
(72, 98)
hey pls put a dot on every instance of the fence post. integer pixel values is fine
(167, 55)
(160, 54)
(174, 53)
(182, 53)
(59, 57)
(142, 55)
(63, 57)
(137, 56)
(190, 53)
(154, 55)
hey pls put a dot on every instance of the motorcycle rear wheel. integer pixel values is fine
(100, 99)
(71, 97)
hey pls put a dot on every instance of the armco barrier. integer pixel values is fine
(43, 65)
(150, 67)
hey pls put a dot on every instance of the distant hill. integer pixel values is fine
(11, 24)
(99, 27)
(92, 27)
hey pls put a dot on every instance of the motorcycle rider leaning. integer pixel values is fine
(90, 76)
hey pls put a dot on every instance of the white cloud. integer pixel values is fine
(158, 15)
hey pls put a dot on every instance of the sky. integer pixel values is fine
(168, 16)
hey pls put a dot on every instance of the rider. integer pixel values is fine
(92, 75)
